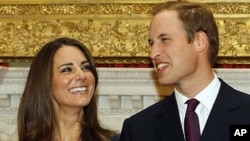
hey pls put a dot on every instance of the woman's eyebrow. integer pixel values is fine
(66, 64)
(84, 62)
(70, 64)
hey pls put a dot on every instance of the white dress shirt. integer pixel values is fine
(206, 97)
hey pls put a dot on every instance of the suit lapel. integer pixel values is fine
(222, 114)
(168, 125)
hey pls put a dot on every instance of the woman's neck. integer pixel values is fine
(68, 126)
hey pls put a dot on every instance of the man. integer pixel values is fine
(185, 43)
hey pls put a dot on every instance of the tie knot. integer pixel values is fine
(192, 104)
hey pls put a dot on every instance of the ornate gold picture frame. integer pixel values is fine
(115, 31)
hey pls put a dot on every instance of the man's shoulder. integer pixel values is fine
(150, 111)
(233, 94)
(244, 98)
(230, 89)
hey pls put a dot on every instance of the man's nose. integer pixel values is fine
(155, 52)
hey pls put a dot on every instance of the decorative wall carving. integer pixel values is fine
(110, 30)
(121, 92)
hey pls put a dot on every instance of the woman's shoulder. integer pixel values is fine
(115, 137)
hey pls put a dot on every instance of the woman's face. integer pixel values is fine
(73, 83)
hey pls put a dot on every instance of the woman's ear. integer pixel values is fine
(201, 41)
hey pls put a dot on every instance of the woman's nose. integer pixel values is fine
(80, 74)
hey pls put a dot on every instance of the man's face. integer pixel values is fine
(175, 59)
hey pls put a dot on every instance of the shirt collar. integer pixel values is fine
(206, 97)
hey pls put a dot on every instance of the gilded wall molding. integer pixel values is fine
(115, 31)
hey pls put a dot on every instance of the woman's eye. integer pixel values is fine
(66, 70)
(86, 67)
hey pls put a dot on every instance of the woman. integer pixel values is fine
(58, 101)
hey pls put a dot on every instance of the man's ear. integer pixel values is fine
(201, 41)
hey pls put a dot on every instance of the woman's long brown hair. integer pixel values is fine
(36, 115)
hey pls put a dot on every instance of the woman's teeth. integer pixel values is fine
(78, 89)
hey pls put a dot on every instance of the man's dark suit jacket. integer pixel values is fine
(161, 121)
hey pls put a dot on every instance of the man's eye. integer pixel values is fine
(150, 42)
(164, 39)
(66, 70)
